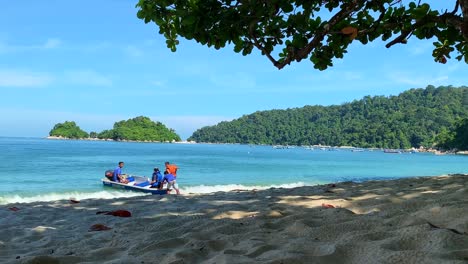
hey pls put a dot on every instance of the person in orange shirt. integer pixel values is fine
(171, 168)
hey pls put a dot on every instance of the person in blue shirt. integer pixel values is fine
(171, 182)
(117, 176)
(157, 179)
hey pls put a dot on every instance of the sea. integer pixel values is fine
(39, 169)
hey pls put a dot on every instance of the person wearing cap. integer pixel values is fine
(157, 179)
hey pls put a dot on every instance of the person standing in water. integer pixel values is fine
(171, 168)
(171, 182)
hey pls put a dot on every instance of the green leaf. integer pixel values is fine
(189, 20)
(287, 7)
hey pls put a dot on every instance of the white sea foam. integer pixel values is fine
(49, 197)
(111, 194)
(230, 187)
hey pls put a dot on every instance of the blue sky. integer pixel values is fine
(95, 63)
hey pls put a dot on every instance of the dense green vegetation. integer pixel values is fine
(458, 137)
(412, 119)
(138, 129)
(455, 139)
(320, 31)
(68, 130)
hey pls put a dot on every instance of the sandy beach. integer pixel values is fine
(413, 220)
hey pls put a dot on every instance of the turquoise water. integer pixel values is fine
(34, 169)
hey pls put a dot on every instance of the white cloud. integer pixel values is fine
(87, 77)
(351, 76)
(235, 80)
(158, 83)
(50, 43)
(133, 51)
(27, 78)
(417, 81)
(4, 48)
(15, 78)
(419, 48)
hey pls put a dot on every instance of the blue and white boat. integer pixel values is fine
(137, 183)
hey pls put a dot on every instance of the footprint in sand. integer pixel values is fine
(234, 252)
(374, 236)
(401, 245)
(261, 250)
(217, 245)
(44, 260)
(456, 255)
(171, 243)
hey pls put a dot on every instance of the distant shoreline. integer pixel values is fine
(122, 140)
(430, 150)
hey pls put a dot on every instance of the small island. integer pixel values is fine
(140, 129)
(69, 130)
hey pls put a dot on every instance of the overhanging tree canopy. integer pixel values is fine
(321, 30)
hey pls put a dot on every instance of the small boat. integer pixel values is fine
(138, 183)
(357, 150)
(394, 151)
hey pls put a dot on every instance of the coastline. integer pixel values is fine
(412, 150)
(113, 140)
(409, 220)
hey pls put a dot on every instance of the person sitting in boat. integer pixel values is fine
(157, 179)
(171, 181)
(117, 176)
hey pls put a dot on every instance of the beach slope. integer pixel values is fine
(412, 220)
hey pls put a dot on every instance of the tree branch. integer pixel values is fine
(447, 18)
(319, 36)
(455, 10)
(464, 26)
(268, 54)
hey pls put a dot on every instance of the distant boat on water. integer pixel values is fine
(357, 150)
(395, 151)
(282, 147)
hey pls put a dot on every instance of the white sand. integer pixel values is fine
(417, 220)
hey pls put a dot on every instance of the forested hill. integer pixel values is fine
(411, 119)
(140, 128)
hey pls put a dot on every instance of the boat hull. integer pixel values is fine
(131, 187)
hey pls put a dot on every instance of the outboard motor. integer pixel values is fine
(109, 174)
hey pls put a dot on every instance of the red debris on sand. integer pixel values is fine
(98, 227)
(119, 213)
(13, 208)
(328, 205)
